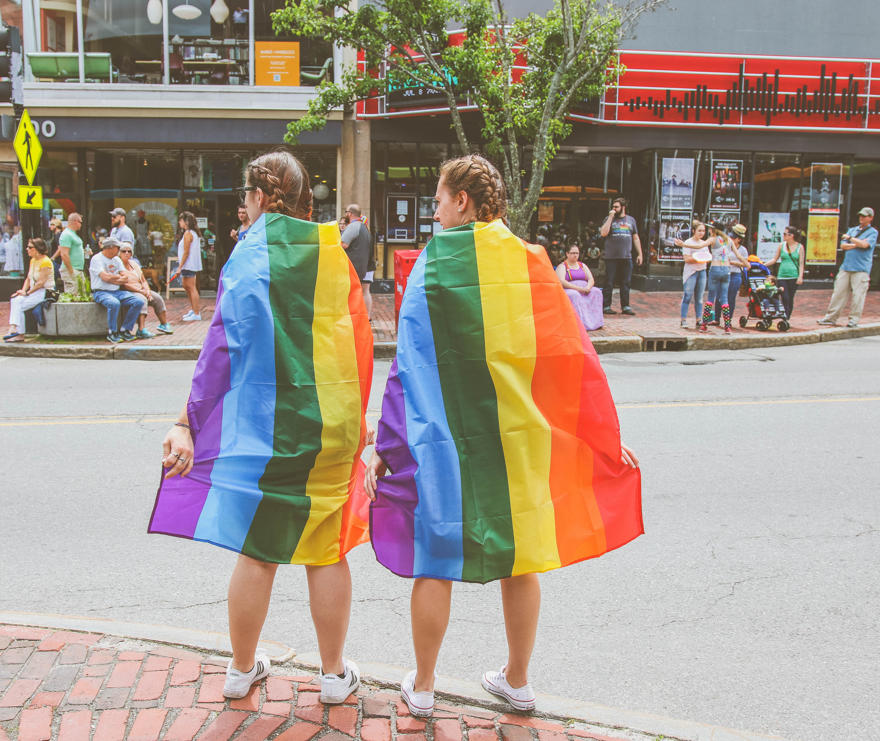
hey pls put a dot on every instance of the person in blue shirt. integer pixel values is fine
(853, 277)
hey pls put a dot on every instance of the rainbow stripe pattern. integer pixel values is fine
(498, 426)
(277, 404)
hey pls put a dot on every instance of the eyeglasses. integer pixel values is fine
(124, 251)
(241, 191)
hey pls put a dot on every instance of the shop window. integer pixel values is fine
(123, 41)
(56, 56)
(321, 166)
(59, 172)
(287, 60)
(865, 189)
(208, 44)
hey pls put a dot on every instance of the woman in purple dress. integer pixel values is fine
(577, 280)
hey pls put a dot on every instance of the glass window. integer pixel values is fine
(287, 59)
(122, 41)
(208, 45)
(59, 171)
(321, 166)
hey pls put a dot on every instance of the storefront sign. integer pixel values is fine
(771, 227)
(726, 190)
(822, 239)
(276, 63)
(407, 92)
(545, 210)
(825, 180)
(677, 183)
(673, 226)
(401, 218)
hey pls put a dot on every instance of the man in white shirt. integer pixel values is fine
(107, 274)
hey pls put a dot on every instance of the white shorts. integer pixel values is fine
(368, 276)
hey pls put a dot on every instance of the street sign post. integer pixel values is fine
(30, 196)
(27, 147)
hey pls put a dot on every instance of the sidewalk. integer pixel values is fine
(655, 326)
(74, 686)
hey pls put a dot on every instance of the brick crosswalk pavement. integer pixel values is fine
(74, 686)
(656, 312)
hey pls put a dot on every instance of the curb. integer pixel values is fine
(562, 709)
(387, 350)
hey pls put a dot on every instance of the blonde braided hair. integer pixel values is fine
(285, 182)
(480, 179)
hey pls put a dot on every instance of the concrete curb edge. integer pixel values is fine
(559, 708)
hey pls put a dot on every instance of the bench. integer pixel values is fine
(64, 65)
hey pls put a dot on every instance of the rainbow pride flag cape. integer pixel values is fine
(277, 404)
(498, 427)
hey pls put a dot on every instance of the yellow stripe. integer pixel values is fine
(339, 397)
(506, 294)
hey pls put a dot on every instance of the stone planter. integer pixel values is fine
(75, 320)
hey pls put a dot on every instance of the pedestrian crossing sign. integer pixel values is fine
(27, 147)
(30, 196)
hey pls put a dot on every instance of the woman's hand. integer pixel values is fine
(177, 452)
(628, 457)
(799, 282)
(20, 292)
(369, 435)
(376, 469)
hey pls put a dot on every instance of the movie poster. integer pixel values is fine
(726, 192)
(822, 239)
(770, 229)
(677, 184)
(673, 226)
(726, 218)
(825, 181)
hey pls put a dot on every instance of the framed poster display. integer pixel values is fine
(825, 181)
(677, 184)
(170, 269)
(401, 218)
(822, 239)
(726, 190)
(770, 229)
(673, 225)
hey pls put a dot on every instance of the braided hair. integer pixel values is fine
(284, 180)
(480, 179)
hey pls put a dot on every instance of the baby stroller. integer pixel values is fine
(765, 301)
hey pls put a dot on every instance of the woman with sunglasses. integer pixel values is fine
(140, 285)
(790, 256)
(40, 277)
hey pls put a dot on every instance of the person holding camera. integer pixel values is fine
(851, 283)
(621, 234)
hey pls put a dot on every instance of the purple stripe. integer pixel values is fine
(392, 514)
(180, 500)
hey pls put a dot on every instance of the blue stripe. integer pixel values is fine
(438, 550)
(248, 428)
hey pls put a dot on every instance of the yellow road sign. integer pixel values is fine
(27, 147)
(30, 196)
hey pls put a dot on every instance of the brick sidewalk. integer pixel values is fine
(78, 686)
(656, 312)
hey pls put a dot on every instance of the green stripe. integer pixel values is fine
(284, 509)
(453, 291)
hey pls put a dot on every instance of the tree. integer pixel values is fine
(523, 75)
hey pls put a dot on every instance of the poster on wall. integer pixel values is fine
(276, 63)
(677, 184)
(825, 181)
(822, 239)
(673, 225)
(726, 190)
(770, 229)
(726, 219)
(401, 218)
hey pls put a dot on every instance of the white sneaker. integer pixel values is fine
(190, 317)
(335, 689)
(420, 704)
(238, 684)
(521, 698)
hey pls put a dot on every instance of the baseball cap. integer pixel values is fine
(867, 211)
(739, 230)
(118, 211)
(110, 242)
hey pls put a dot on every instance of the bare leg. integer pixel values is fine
(521, 598)
(142, 320)
(162, 316)
(429, 608)
(249, 591)
(368, 299)
(330, 603)
(192, 292)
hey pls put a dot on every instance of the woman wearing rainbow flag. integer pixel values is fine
(265, 457)
(495, 472)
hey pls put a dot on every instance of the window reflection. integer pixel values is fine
(210, 48)
(122, 42)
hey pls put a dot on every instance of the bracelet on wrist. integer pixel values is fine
(183, 424)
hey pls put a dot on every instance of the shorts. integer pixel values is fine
(368, 277)
(188, 273)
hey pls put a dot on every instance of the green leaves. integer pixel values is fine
(524, 75)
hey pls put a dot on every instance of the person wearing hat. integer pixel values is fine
(119, 230)
(738, 236)
(851, 283)
(724, 256)
(108, 275)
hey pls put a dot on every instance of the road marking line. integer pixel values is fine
(744, 403)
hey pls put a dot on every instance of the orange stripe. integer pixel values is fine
(557, 388)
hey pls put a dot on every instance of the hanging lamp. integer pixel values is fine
(186, 11)
(219, 11)
(154, 12)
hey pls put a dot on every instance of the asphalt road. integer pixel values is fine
(751, 602)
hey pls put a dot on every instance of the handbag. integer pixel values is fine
(52, 295)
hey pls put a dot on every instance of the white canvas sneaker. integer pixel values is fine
(420, 704)
(238, 684)
(521, 698)
(335, 689)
